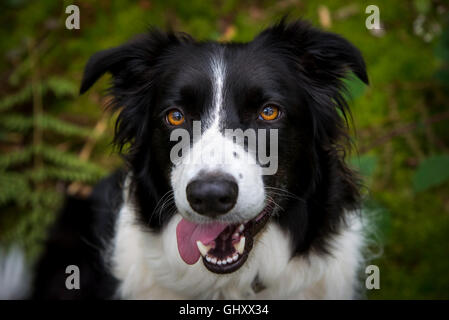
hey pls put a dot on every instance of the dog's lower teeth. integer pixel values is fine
(239, 248)
(225, 261)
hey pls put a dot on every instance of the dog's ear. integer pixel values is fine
(322, 56)
(320, 61)
(133, 66)
(100, 63)
(130, 59)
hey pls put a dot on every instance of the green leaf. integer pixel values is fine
(13, 187)
(365, 164)
(354, 87)
(16, 157)
(62, 87)
(59, 86)
(53, 124)
(63, 174)
(16, 122)
(69, 160)
(19, 97)
(21, 123)
(432, 172)
(423, 6)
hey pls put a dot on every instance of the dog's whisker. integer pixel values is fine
(282, 193)
(163, 198)
(167, 203)
(271, 201)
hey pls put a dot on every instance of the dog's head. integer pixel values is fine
(232, 135)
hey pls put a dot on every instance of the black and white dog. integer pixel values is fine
(214, 229)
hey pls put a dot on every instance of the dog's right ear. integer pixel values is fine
(131, 58)
(100, 63)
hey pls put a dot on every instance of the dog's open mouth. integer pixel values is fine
(223, 247)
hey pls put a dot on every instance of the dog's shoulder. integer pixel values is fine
(79, 239)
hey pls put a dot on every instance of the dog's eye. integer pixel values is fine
(269, 112)
(175, 117)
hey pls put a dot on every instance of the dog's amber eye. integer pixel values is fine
(175, 117)
(269, 112)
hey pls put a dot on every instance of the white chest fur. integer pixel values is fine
(148, 266)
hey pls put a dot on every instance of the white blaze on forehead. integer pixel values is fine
(218, 77)
(213, 151)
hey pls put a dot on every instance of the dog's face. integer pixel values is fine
(287, 82)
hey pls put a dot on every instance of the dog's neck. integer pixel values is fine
(148, 266)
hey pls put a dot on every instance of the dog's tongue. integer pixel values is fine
(188, 233)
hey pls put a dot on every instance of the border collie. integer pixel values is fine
(211, 228)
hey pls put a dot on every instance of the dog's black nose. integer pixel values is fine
(212, 195)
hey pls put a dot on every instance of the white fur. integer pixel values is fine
(148, 266)
(14, 276)
(218, 69)
(214, 152)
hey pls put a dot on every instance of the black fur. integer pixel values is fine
(294, 64)
(80, 237)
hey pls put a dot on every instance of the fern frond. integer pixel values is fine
(46, 198)
(62, 174)
(16, 122)
(19, 97)
(14, 187)
(56, 125)
(59, 86)
(16, 157)
(70, 160)
(23, 124)
(62, 87)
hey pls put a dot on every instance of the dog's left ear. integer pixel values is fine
(320, 61)
(323, 56)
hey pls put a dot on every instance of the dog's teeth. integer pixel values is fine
(241, 227)
(223, 262)
(213, 260)
(203, 249)
(208, 259)
(219, 262)
(235, 257)
(229, 259)
(240, 246)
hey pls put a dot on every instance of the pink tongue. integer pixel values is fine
(188, 233)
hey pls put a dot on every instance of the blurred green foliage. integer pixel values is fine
(401, 120)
